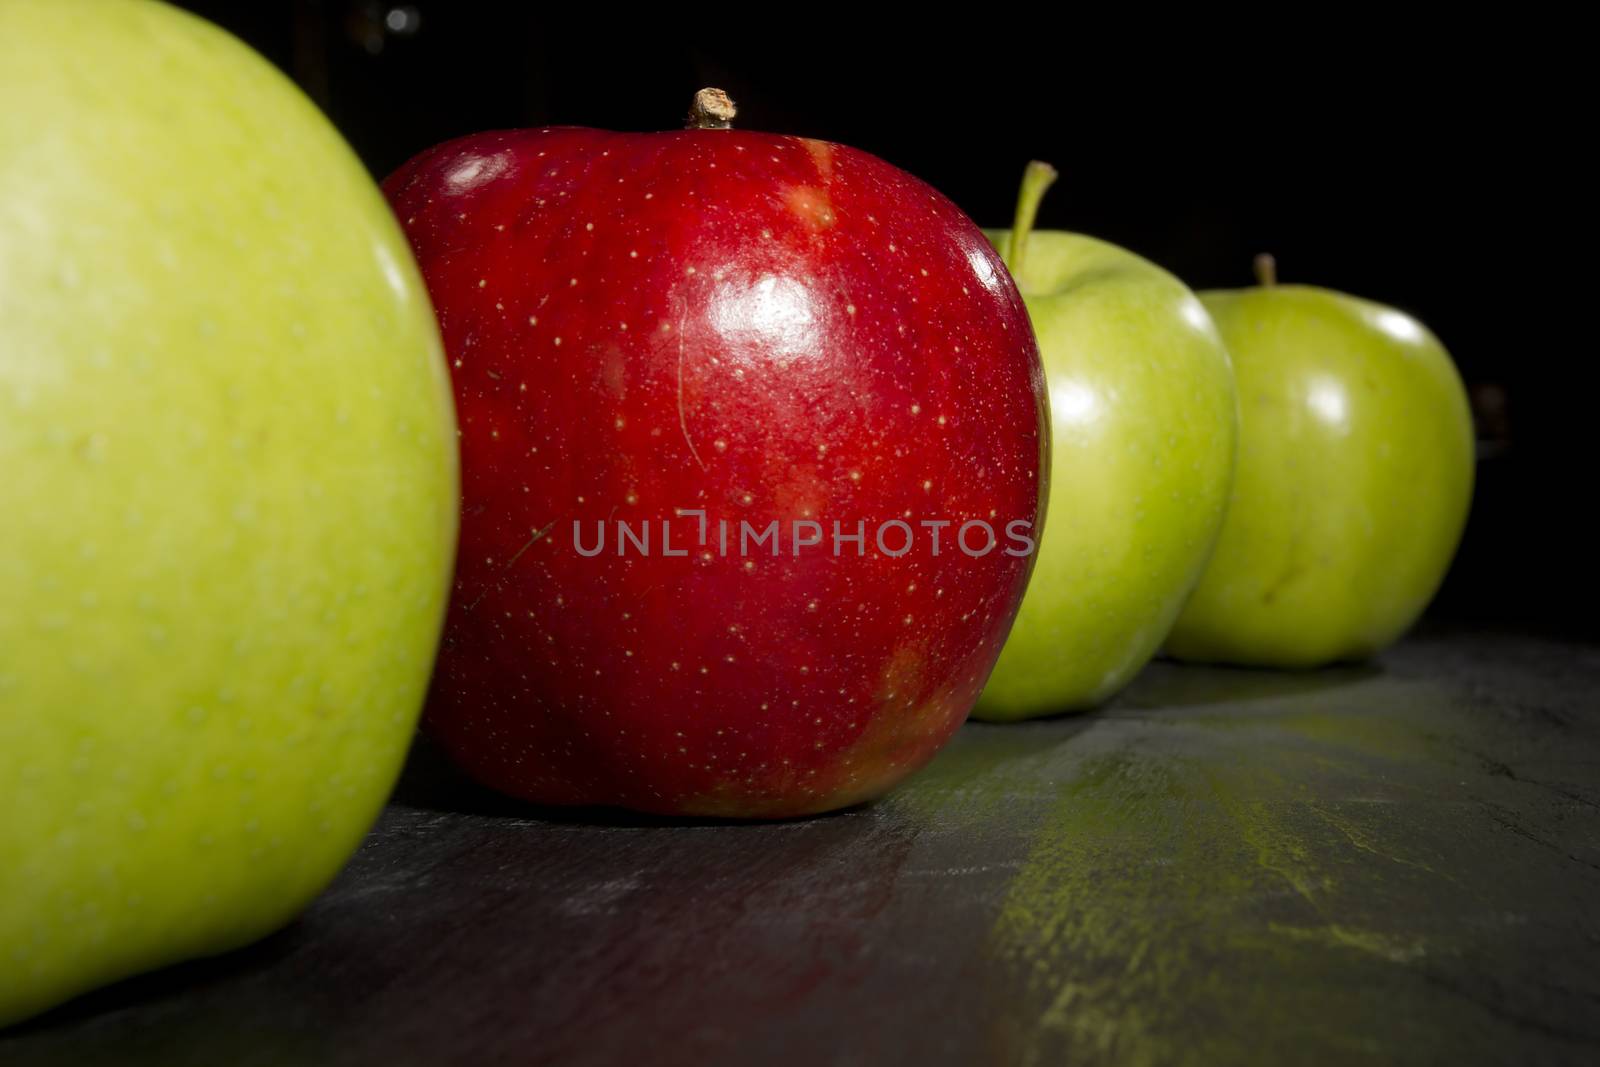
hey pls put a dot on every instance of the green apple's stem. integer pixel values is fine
(712, 110)
(1036, 180)
(1266, 270)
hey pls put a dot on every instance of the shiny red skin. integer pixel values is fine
(762, 326)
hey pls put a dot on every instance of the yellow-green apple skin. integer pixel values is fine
(227, 496)
(1354, 479)
(1143, 426)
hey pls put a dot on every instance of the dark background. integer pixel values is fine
(1433, 169)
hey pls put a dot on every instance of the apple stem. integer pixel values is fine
(712, 110)
(1266, 270)
(1036, 180)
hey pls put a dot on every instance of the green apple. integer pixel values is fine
(227, 496)
(1354, 479)
(1143, 423)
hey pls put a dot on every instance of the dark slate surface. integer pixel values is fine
(1392, 863)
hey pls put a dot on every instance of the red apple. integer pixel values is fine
(764, 329)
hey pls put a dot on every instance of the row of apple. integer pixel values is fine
(261, 444)
(757, 331)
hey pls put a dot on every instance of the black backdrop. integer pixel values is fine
(1435, 168)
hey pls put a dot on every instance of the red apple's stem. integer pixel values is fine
(712, 110)
(1036, 180)
(1266, 270)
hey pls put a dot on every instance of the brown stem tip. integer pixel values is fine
(1266, 270)
(712, 110)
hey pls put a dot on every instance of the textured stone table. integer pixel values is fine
(1397, 863)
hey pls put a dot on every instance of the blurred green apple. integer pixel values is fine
(1354, 478)
(1143, 423)
(228, 500)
